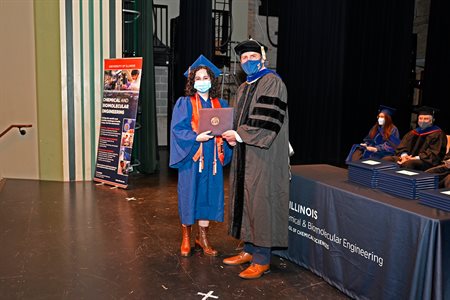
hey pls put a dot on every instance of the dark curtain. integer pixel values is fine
(436, 84)
(138, 41)
(340, 60)
(310, 59)
(191, 35)
(379, 64)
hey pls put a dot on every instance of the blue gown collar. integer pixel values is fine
(426, 130)
(259, 74)
(206, 100)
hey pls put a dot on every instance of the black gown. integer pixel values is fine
(429, 144)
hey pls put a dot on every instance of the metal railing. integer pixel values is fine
(18, 126)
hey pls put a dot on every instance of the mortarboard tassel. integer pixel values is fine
(215, 159)
(200, 163)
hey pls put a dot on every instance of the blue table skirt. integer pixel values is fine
(368, 244)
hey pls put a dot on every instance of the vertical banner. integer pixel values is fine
(122, 80)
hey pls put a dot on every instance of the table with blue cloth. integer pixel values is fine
(368, 244)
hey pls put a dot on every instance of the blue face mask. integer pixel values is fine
(202, 86)
(250, 67)
(424, 125)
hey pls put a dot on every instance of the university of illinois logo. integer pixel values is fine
(215, 121)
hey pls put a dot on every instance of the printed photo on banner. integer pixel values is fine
(123, 168)
(127, 140)
(128, 126)
(125, 153)
(122, 80)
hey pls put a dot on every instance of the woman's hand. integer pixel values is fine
(204, 136)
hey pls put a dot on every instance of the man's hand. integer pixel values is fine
(447, 163)
(404, 159)
(371, 149)
(230, 137)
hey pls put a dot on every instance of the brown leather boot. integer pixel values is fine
(186, 241)
(202, 243)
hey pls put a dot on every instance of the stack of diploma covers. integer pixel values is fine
(366, 171)
(406, 183)
(439, 199)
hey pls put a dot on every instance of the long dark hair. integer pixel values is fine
(388, 126)
(189, 88)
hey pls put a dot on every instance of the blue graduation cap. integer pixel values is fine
(203, 61)
(387, 110)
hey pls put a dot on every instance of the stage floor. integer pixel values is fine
(86, 241)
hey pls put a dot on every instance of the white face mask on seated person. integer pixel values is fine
(381, 121)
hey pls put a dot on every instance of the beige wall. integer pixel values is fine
(18, 153)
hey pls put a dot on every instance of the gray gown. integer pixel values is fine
(259, 174)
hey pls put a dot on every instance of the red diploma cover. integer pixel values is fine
(218, 120)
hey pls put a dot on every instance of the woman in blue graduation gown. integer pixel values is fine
(198, 156)
(382, 140)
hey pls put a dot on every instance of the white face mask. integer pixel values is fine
(381, 121)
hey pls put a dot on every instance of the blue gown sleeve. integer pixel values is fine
(391, 144)
(395, 137)
(183, 145)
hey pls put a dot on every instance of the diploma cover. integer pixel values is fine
(218, 120)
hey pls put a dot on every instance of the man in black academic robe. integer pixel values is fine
(423, 147)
